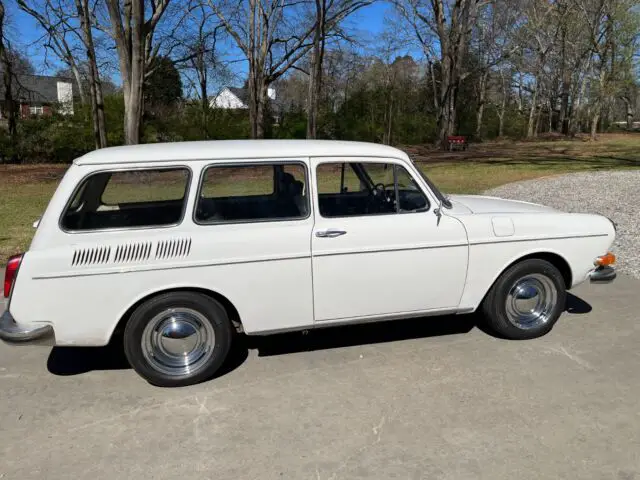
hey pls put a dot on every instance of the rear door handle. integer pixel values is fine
(330, 233)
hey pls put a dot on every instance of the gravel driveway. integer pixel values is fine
(615, 194)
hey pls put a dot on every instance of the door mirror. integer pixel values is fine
(438, 212)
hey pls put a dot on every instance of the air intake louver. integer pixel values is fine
(132, 252)
(91, 256)
(174, 248)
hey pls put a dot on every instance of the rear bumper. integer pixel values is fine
(12, 332)
(603, 275)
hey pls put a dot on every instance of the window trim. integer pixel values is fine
(36, 110)
(127, 229)
(271, 162)
(395, 174)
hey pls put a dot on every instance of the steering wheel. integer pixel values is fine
(380, 191)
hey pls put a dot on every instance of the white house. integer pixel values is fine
(234, 98)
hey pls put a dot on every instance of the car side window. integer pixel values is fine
(367, 188)
(249, 193)
(128, 199)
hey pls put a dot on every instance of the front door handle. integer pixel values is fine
(330, 233)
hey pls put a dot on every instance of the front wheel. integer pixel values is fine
(177, 339)
(526, 300)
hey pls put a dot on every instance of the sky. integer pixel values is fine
(24, 32)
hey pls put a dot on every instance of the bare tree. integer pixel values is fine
(59, 20)
(537, 40)
(272, 35)
(600, 17)
(53, 21)
(95, 84)
(9, 107)
(503, 88)
(451, 24)
(196, 47)
(133, 34)
(492, 44)
(328, 15)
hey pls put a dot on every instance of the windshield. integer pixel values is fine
(439, 195)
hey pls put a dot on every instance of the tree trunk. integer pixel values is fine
(256, 75)
(501, 121)
(7, 79)
(503, 106)
(128, 44)
(444, 103)
(204, 100)
(594, 125)
(95, 85)
(315, 75)
(261, 112)
(629, 108)
(453, 39)
(257, 105)
(600, 98)
(563, 115)
(532, 110)
(436, 105)
(519, 98)
(257, 100)
(482, 88)
(576, 107)
(133, 107)
(386, 137)
(133, 39)
(78, 79)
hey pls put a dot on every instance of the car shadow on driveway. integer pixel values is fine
(66, 361)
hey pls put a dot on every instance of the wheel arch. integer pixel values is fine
(229, 307)
(553, 258)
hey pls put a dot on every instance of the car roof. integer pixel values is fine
(236, 149)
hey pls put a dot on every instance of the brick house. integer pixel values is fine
(41, 95)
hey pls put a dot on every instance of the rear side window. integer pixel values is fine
(249, 193)
(128, 199)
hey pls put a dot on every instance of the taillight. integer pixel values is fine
(10, 273)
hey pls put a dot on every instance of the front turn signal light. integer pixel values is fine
(605, 260)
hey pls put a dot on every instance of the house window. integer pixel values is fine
(36, 110)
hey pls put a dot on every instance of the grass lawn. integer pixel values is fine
(26, 189)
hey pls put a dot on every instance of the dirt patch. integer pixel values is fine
(24, 174)
(551, 147)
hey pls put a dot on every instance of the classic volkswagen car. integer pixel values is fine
(181, 246)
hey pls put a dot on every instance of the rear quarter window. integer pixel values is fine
(128, 199)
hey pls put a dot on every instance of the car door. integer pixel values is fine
(255, 222)
(378, 248)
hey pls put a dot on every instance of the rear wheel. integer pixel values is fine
(177, 339)
(526, 300)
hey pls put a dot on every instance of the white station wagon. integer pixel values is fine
(181, 246)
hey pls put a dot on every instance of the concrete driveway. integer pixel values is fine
(430, 398)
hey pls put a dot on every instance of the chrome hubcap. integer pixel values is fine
(178, 341)
(531, 301)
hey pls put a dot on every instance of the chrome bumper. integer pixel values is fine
(11, 332)
(603, 275)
